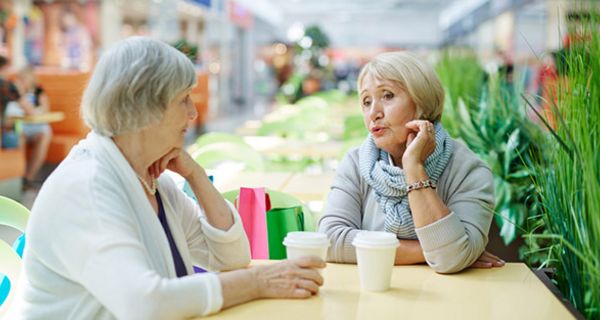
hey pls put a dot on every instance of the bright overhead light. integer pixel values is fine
(305, 42)
(295, 32)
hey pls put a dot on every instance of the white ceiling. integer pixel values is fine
(368, 23)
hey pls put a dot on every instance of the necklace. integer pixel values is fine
(150, 189)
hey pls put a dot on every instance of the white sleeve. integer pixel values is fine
(213, 248)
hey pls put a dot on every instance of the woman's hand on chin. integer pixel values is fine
(177, 160)
(420, 143)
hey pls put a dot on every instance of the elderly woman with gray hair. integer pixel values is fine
(409, 177)
(110, 236)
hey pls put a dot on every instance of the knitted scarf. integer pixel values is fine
(389, 182)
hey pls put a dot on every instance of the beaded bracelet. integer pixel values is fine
(420, 185)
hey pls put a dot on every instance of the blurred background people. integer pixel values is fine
(8, 95)
(37, 135)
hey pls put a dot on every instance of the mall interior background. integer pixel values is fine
(258, 60)
(247, 47)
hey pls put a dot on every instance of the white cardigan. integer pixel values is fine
(96, 249)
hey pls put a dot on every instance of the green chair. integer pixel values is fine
(15, 215)
(217, 137)
(212, 155)
(288, 128)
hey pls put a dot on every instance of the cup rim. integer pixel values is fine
(306, 239)
(375, 240)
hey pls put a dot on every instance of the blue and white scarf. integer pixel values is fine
(389, 182)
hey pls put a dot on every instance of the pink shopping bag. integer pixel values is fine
(252, 204)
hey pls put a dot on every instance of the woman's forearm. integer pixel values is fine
(238, 287)
(409, 252)
(425, 204)
(44, 103)
(216, 209)
(26, 106)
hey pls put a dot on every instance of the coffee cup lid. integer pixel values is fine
(375, 239)
(306, 239)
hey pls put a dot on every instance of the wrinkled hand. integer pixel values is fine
(420, 142)
(177, 160)
(296, 278)
(488, 260)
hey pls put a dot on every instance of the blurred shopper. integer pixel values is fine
(409, 177)
(37, 135)
(8, 95)
(76, 42)
(111, 237)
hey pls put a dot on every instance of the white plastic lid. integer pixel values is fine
(375, 239)
(306, 239)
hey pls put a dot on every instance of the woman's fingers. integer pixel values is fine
(488, 260)
(304, 269)
(164, 161)
(481, 264)
(487, 254)
(300, 293)
(488, 257)
(153, 170)
(296, 278)
(310, 274)
(411, 136)
(286, 287)
(309, 262)
(420, 126)
(308, 285)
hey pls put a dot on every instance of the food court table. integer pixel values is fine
(511, 292)
(47, 117)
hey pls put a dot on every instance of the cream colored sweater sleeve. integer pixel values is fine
(342, 217)
(454, 242)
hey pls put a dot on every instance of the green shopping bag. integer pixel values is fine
(280, 221)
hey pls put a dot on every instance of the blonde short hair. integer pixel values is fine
(417, 78)
(132, 85)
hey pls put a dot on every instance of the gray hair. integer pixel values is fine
(132, 85)
(417, 78)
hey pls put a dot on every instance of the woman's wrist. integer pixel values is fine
(197, 174)
(238, 286)
(254, 283)
(415, 172)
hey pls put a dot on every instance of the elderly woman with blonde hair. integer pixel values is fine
(409, 177)
(110, 236)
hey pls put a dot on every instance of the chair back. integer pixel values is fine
(217, 137)
(15, 215)
(215, 154)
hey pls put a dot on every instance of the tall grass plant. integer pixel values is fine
(568, 181)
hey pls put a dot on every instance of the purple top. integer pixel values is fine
(179, 265)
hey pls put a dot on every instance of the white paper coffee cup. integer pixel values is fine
(375, 254)
(304, 243)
